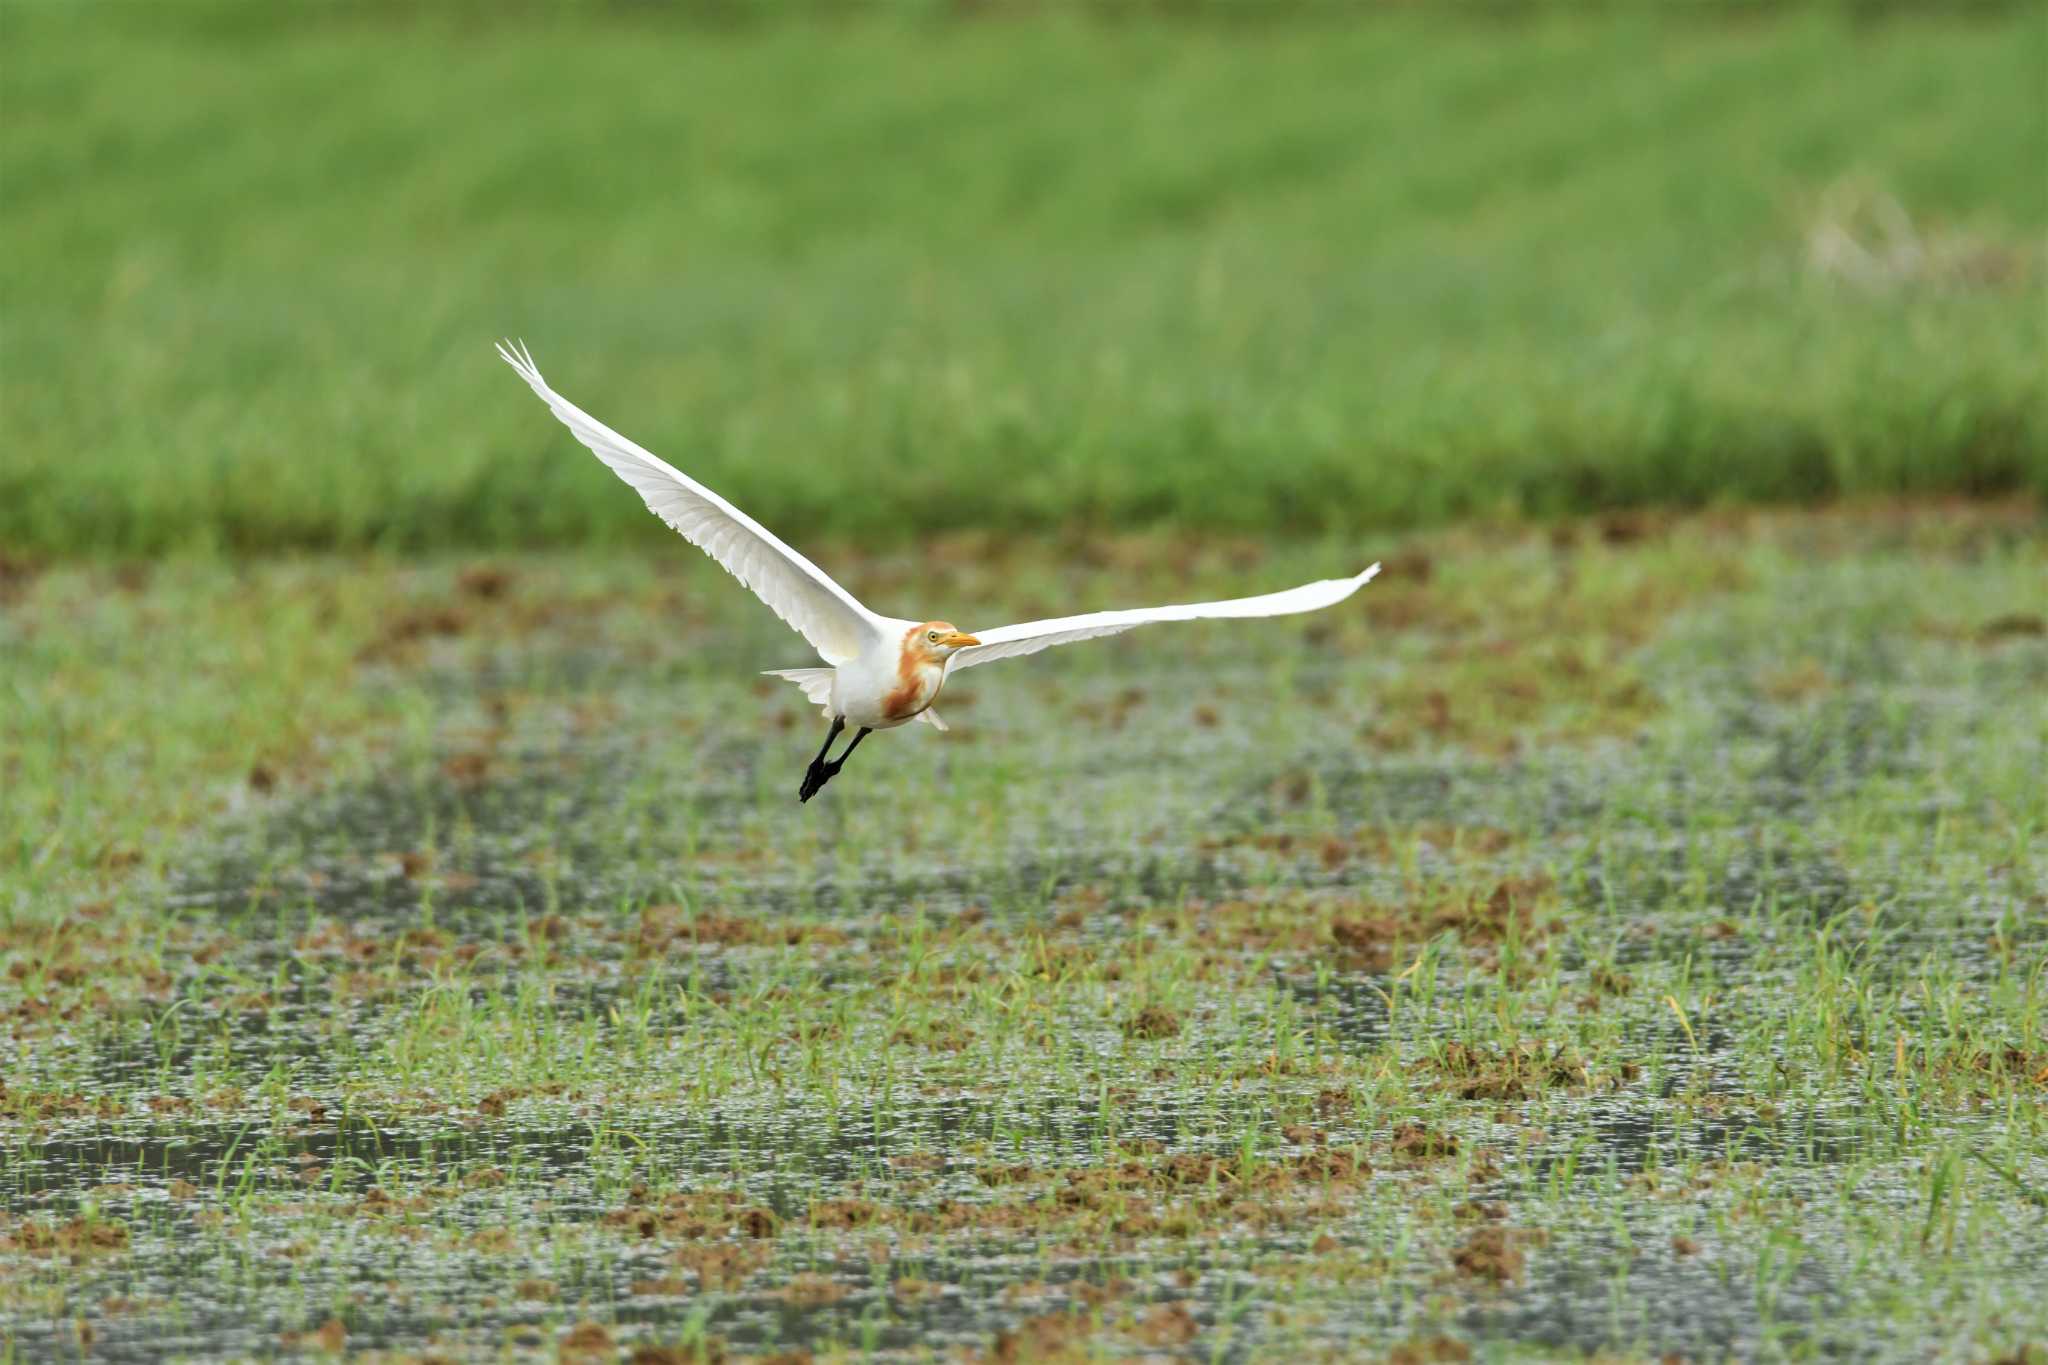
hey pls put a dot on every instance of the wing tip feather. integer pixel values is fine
(515, 354)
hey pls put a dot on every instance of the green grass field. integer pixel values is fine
(876, 278)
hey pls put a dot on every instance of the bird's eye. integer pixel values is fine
(932, 635)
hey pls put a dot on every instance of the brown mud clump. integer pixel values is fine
(1152, 1022)
(1049, 1337)
(664, 926)
(330, 1338)
(487, 582)
(1515, 1073)
(17, 574)
(691, 1216)
(80, 1239)
(844, 1213)
(1429, 1351)
(1170, 1324)
(586, 1341)
(1415, 1143)
(810, 1290)
(408, 629)
(1366, 945)
(2017, 625)
(719, 1265)
(1495, 1253)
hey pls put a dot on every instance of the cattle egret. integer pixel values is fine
(881, 671)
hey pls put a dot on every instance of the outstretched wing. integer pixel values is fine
(794, 588)
(1005, 642)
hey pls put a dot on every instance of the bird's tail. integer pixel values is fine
(816, 683)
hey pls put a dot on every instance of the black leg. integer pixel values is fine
(836, 764)
(815, 776)
(838, 724)
(820, 774)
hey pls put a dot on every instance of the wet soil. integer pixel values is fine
(1704, 1023)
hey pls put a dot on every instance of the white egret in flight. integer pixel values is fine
(881, 671)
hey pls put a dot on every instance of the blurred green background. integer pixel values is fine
(875, 272)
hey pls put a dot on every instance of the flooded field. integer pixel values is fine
(1629, 941)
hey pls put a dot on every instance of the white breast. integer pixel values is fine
(876, 691)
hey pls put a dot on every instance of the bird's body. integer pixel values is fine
(893, 681)
(881, 671)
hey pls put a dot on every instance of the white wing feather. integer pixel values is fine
(1007, 642)
(794, 588)
(816, 683)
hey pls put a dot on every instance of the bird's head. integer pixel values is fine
(937, 640)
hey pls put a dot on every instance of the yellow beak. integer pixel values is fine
(958, 640)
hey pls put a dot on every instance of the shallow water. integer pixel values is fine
(1709, 1012)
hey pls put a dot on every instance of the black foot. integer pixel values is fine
(821, 772)
(816, 778)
